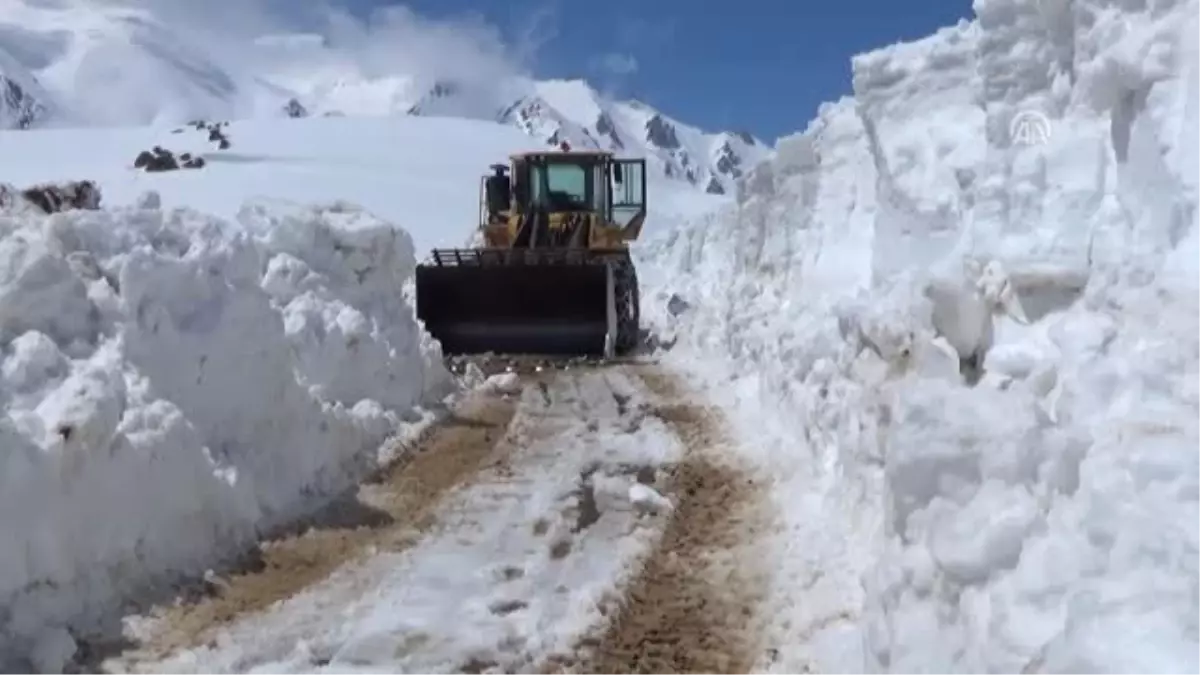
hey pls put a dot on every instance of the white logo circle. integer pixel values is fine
(1029, 127)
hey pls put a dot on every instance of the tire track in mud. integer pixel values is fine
(388, 512)
(693, 607)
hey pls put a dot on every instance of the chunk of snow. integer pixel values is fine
(647, 500)
(175, 385)
(504, 383)
(149, 200)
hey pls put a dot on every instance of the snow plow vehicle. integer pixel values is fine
(553, 276)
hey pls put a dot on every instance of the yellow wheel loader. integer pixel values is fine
(553, 276)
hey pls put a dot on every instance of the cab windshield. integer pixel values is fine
(560, 186)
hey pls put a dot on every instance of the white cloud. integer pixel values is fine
(615, 63)
(634, 31)
(210, 58)
(391, 40)
(534, 30)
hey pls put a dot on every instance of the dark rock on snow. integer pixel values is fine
(294, 109)
(677, 305)
(53, 197)
(160, 159)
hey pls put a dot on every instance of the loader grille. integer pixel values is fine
(503, 257)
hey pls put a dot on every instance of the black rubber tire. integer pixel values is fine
(628, 305)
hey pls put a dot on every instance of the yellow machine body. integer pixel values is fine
(553, 274)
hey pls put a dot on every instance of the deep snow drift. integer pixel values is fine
(973, 362)
(175, 384)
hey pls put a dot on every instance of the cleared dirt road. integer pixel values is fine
(693, 606)
(508, 539)
(389, 512)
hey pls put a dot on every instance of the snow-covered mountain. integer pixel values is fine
(75, 63)
(19, 109)
(572, 111)
(22, 99)
(107, 64)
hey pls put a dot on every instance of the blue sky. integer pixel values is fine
(759, 65)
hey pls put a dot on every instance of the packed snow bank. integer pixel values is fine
(175, 384)
(972, 363)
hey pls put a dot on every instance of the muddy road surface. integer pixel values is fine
(588, 519)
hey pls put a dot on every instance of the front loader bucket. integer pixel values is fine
(516, 306)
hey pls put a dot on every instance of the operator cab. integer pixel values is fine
(588, 181)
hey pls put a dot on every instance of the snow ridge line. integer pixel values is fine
(693, 607)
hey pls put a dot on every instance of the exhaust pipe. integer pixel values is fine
(610, 313)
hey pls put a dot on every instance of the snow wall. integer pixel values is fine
(960, 312)
(176, 385)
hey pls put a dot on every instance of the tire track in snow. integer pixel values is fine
(693, 606)
(388, 512)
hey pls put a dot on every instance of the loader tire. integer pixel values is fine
(628, 303)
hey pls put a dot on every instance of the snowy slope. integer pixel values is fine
(106, 64)
(396, 168)
(400, 169)
(972, 363)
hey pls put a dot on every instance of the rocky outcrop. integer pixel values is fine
(728, 162)
(441, 89)
(604, 126)
(160, 159)
(294, 109)
(19, 107)
(214, 129)
(661, 133)
(51, 197)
